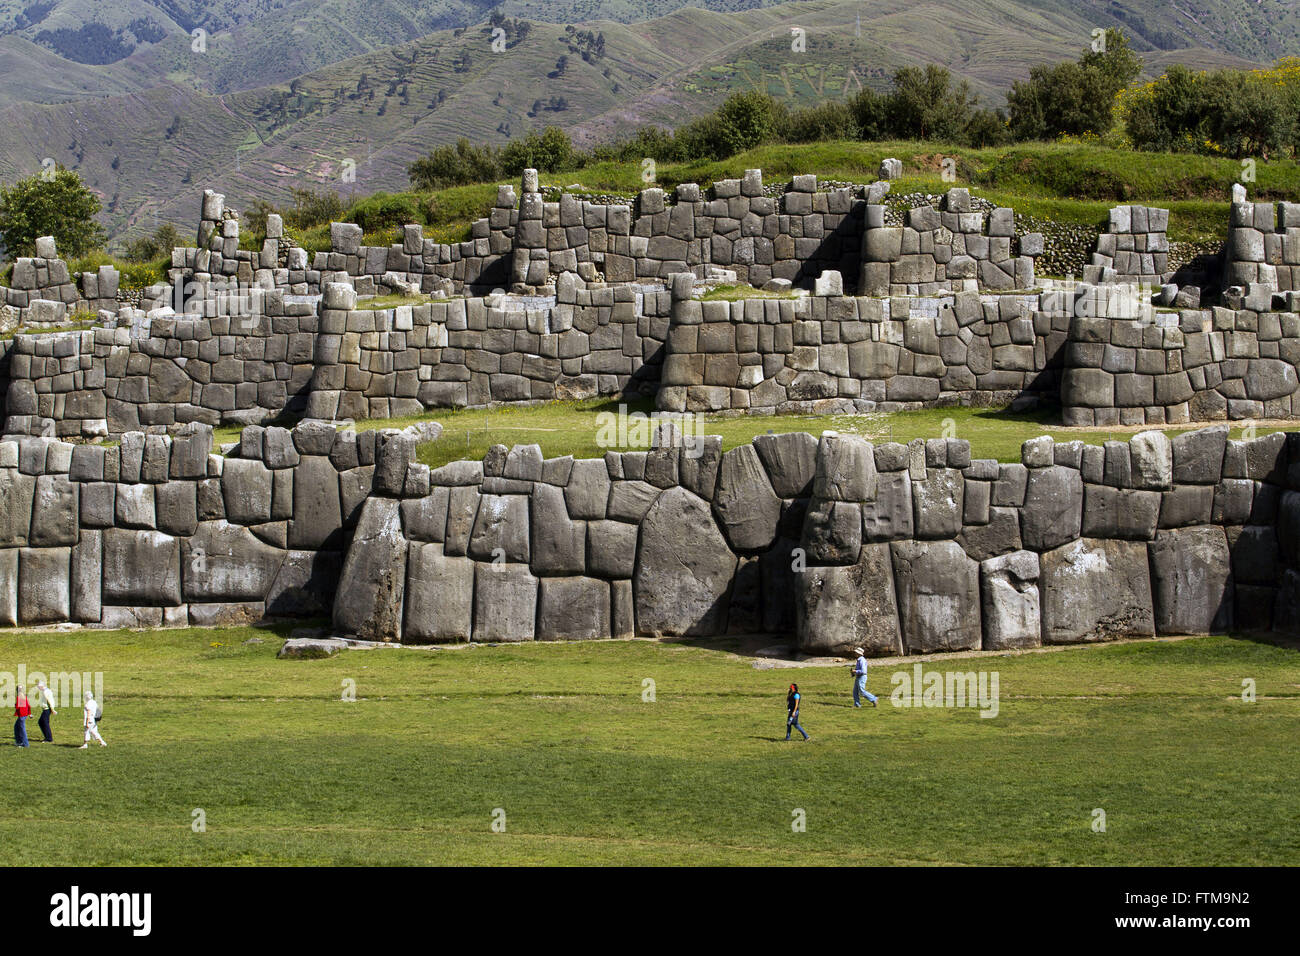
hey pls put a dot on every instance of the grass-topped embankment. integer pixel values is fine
(583, 429)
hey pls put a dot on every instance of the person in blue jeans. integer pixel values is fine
(860, 680)
(792, 712)
(22, 710)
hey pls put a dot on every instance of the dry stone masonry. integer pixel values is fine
(830, 541)
(896, 548)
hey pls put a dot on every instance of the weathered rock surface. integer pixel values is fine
(1095, 590)
(683, 570)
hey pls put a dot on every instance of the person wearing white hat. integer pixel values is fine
(89, 714)
(859, 668)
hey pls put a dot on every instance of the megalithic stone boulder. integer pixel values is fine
(846, 469)
(790, 460)
(372, 585)
(141, 568)
(227, 562)
(505, 603)
(838, 608)
(683, 570)
(938, 596)
(573, 609)
(744, 502)
(1193, 584)
(1095, 590)
(1053, 511)
(439, 596)
(1010, 602)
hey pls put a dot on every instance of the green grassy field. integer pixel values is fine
(559, 738)
(575, 428)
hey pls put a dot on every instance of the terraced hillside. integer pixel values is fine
(289, 94)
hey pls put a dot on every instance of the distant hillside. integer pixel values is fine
(293, 93)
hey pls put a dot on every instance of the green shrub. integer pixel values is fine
(383, 211)
(141, 275)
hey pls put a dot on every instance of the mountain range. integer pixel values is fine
(153, 100)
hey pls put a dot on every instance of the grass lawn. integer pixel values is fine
(558, 736)
(574, 428)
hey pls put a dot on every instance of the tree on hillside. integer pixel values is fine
(1169, 114)
(743, 121)
(1073, 98)
(60, 206)
(1247, 116)
(926, 105)
(455, 166)
(550, 151)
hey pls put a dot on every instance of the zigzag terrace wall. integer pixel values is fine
(244, 368)
(834, 543)
(473, 352)
(157, 530)
(1195, 365)
(845, 354)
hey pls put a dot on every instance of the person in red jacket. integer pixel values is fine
(22, 710)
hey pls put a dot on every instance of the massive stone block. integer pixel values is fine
(938, 501)
(43, 585)
(246, 488)
(587, 493)
(1010, 602)
(372, 585)
(846, 469)
(505, 603)
(832, 531)
(747, 508)
(889, 516)
(227, 562)
(55, 510)
(838, 608)
(439, 596)
(141, 567)
(317, 508)
(87, 575)
(790, 460)
(683, 570)
(500, 530)
(558, 542)
(8, 587)
(573, 609)
(1119, 513)
(16, 493)
(1095, 590)
(1053, 510)
(938, 596)
(1192, 580)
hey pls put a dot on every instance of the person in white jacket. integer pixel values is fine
(45, 701)
(88, 720)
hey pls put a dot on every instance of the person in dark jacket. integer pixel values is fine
(792, 712)
(45, 701)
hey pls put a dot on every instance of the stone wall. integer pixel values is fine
(43, 292)
(472, 352)
(159, 531)
(526, 241)
(1173, 367)
(843, 354)
(831, 542)
(952, 247)
(243, 368)
(1263, 245)
(895, 548)
(1134, 248)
